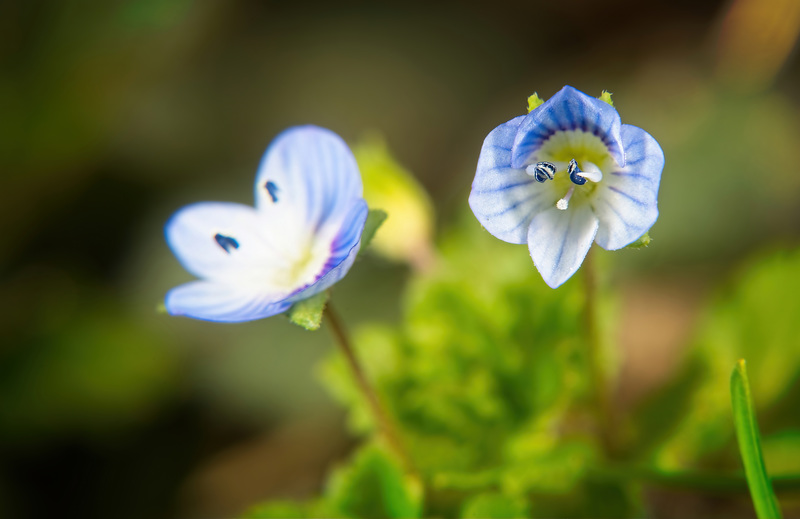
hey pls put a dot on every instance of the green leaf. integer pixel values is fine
(744, 416)
(373, 485)
(643, 241)
(494, 505)
(308, 312)
(375, 219)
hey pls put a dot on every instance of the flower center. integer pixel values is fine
(574, 160)
(543, 171)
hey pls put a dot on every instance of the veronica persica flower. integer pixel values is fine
(301, 237)
(564, 176)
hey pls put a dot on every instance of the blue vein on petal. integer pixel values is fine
(626, 195)
(272, 189)
(226, 242)
(503, 188)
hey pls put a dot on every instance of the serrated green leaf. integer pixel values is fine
(373, 485)
(375, 219)
(308, 312)
(643, 241)
(744, 417)
(494, 505)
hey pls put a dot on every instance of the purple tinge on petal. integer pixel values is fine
(307, 173)
(344, 250)
(559, 240)
(505, 199)
(568, 110)
(221, 302)
(626, 202)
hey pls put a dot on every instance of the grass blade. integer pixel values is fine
(744, 417)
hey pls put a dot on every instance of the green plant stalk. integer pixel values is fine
(604, 412)
(382, 420)
(744, 417)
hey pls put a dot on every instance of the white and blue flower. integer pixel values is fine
(301, 237)
(564, 176)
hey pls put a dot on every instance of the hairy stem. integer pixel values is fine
(379, 414)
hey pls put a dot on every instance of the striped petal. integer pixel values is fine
(626, 202)
(222, 302)
(344, 249)
(559, 240)
(569, 110)
(219, 240)
(308, 177)
(505, 199)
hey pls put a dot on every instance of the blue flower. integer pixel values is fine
(564, 176)
(301, 237)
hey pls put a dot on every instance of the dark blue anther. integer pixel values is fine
(272, 189)
(226, 242)
(544, 171)
(573, 171)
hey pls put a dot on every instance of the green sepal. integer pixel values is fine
(534, 101)
(744, 417)
(643, 241)
(375, 219)
(161, 309)
(308, 312)
(606, 97)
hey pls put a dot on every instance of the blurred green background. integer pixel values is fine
(115, 114)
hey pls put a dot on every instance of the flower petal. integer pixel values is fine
(344, 250)
(559, 240)
(505, 199)
(568, 110)
(223, 302)
(308, 177)
(218, 239)
(626, 202)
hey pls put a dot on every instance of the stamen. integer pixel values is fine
(272, 189)
(579, 177)
(226, 242)
(574, 173)
(563, 204)
(541, 171)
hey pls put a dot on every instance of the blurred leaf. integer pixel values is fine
(374, 485)
(744, 417)
(278, 510)
(782, 453)
(485, 376)
(87, 371)
(308, 312)
(407, 235)
(375, 219)
(494, 506)
(753, 318)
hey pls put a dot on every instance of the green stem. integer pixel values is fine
(381, 417)
(604, 411)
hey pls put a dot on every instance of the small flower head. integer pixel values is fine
(301, 237)
(564, 176)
